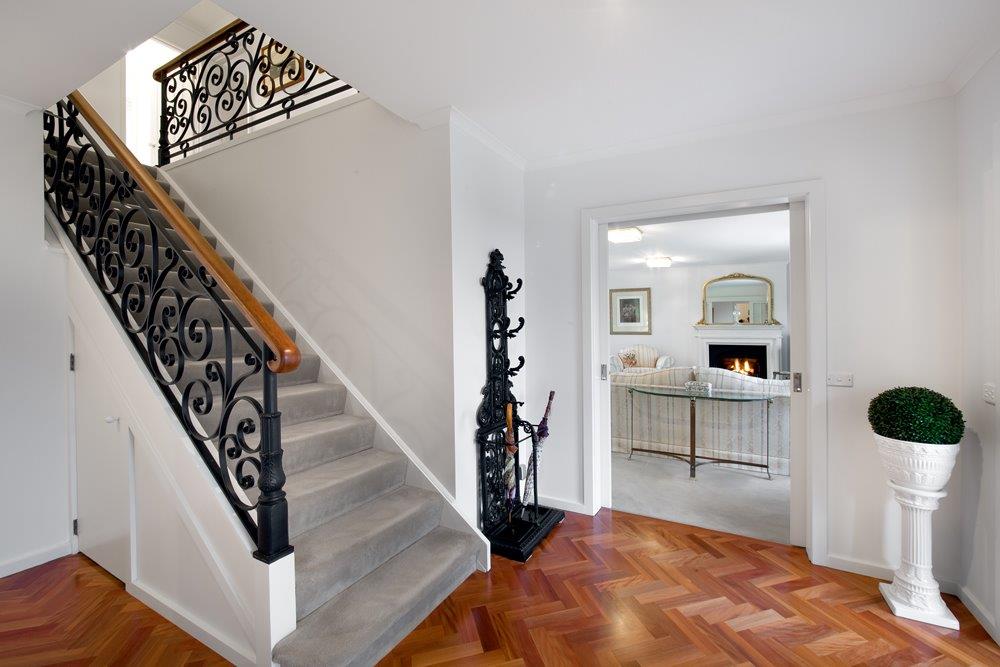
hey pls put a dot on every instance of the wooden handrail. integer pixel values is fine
(286, 353)
(201, 47)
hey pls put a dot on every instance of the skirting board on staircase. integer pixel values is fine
(35, 558)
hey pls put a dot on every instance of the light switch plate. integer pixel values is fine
(990, 393)
(840, 380)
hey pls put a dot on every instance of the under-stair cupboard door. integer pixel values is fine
(103, 467)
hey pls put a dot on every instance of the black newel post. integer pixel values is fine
(272, 508)
(164, 153)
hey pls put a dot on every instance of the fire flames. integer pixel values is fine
(743, 366)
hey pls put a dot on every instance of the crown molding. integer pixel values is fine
(974, 60)
(861, 105)
(17, 106)
(455, 118)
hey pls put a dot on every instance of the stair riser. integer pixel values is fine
(436, 592)
(173, 280)
(307, 452)
(364, 622)
(313, 589)
(305, 373)
(293, 408)
(91, 158)
(140, 215)
(332, 501)
(297, 409)
(239, 343)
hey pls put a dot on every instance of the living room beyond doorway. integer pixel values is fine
(699, 369)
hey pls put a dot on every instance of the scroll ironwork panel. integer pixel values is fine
(248, 78)
(209, 364)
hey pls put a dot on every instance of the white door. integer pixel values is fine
(798, 498)
(102, 466)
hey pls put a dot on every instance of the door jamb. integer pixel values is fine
(596, 488)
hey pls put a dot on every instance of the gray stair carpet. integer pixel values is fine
(371, 558)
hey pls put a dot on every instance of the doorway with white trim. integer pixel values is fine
(699, 369)
(801, 365)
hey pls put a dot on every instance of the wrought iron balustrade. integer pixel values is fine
(233, 80)
(213, 367)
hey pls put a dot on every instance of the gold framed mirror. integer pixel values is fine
(737, 299)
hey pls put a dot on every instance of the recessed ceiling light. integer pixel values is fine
(660, 262)
(625, 235)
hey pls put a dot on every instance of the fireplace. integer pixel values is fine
(745, 359)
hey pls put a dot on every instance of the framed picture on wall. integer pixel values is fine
(630, 311)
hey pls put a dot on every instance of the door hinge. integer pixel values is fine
(76, 526)
(72, 362)
(604, 371)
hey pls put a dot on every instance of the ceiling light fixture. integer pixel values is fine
(660, 262)
(625, 235)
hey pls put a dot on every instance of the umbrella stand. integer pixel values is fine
(513, 527)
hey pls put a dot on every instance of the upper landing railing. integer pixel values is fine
(232, 80)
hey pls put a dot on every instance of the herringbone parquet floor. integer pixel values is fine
(72, 612)
(620, 589)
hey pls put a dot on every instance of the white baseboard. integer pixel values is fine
(979, 610)
(564, 505)
(35, 558)
(197, 628)
(858, 566)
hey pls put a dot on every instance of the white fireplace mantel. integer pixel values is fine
(769, 335)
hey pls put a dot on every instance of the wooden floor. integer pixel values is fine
(620, 589)
(72, 612)
(615, 589)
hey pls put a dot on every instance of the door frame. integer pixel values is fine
(811, 519)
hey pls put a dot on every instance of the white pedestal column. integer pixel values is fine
(914, 593)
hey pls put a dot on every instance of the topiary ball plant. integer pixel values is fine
(916, 414)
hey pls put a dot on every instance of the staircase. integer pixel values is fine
(371, 557)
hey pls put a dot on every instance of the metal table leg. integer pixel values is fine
(693, 464)
(631, 418)
(767, 436)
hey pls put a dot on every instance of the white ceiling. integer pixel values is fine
(554, 79)
(742, 239)
(564, 77)
(52, 48)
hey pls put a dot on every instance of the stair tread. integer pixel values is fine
(328, 474)
(365, 621)
(336, 554)
(322, 425)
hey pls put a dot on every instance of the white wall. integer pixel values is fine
(487, 209)
(346, 217)
(106, 93)
(979, 188)
(676, 304)
(34, 445)
(893, 254)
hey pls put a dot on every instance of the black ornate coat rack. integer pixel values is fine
(514, 526)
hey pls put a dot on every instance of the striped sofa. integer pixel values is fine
(647, 358)
(724, 429)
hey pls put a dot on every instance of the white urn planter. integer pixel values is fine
(918, 473)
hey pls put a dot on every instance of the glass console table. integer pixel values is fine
(694, 397)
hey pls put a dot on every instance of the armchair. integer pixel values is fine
(646, 357)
